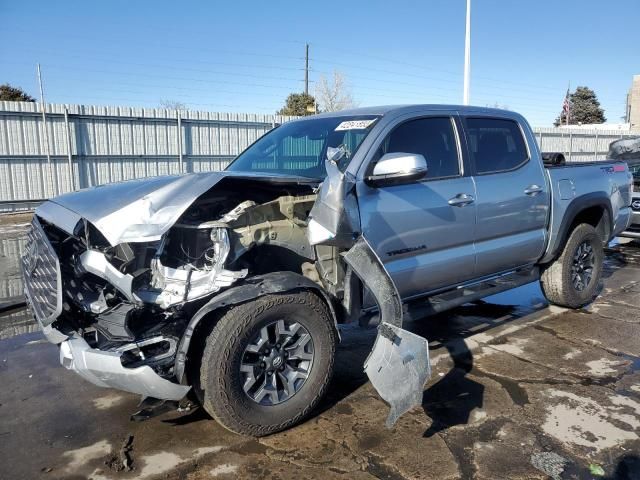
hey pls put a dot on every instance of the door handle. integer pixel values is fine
(461, 200)
(532, 190)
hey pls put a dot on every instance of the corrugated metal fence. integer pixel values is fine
(90, 145)
(579, 145)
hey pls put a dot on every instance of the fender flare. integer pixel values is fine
(252, 288)
(575, 207)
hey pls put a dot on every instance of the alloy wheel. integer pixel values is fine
(276, 362)
(582, 266)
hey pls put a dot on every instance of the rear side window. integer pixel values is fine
(496, 145)
(433, 138)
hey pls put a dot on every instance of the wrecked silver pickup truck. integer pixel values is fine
(227, 288)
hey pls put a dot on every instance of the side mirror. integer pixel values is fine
(397, 168)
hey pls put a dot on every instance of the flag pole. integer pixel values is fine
(467, 55)
(568, 104)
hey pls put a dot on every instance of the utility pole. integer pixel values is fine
(306, 69)
(467, 55)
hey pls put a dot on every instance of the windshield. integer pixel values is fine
(300, 148)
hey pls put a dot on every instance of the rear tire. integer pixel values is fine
(572, 279)
(238, 341)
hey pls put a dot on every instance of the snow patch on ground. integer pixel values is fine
(224, 469)
(513, 346)
(583, 421)
(572, 354)
(82, 456)
(108, 401)
(602, 367)
(159, 463)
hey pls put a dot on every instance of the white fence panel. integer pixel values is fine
(91, 145)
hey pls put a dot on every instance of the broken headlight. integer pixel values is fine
(217, 254)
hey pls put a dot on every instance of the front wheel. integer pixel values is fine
(572, 280)
(267, 363)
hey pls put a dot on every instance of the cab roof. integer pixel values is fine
(399, 109)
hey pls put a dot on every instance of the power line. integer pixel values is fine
(386, 92)
(138, 101)
(189, 79)
(218, 72)
(430, 69)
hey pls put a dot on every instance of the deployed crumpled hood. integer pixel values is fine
(139, 210)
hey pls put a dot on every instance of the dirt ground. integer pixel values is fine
(520, 390)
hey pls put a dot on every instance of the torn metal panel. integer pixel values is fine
(370, 269)
(398, 366)
(334, 217)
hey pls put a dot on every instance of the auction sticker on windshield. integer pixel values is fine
(355, 124)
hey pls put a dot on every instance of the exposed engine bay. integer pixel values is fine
(136, 298)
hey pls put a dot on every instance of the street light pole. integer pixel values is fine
(467, 55)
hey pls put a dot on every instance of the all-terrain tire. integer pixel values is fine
(220, 377)
(556, 279)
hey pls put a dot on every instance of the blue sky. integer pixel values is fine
(247, 56)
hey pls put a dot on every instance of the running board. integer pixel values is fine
(472, 292)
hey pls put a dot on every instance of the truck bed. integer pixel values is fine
(579, 185)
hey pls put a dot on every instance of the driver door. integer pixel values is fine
(422, 231)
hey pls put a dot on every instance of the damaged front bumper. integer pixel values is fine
(105, 369)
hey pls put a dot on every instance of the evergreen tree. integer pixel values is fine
(299, 105)
(584, 108)
(14, 94)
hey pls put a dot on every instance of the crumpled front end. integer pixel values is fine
(119, 311)
(108, 361)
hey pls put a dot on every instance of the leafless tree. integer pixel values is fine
(334, 94)
(173, 105)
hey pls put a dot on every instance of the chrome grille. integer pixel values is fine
(41, 272)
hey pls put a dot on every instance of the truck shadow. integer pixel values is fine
(453, 397)
(451, 400)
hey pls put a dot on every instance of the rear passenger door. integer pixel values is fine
(512, 195)
(422, 231)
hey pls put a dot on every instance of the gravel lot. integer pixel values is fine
(519, 390)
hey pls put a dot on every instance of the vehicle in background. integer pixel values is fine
(227, 288)
(628, 149)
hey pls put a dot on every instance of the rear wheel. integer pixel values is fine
(267, 363)
(572, 280)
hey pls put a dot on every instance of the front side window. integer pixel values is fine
(300, 148)
(434, 138)
(496, 144)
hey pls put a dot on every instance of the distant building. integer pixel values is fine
(633, 104)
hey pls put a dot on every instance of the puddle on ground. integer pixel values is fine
(525, 298)
(13, 239)
(17, 322)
